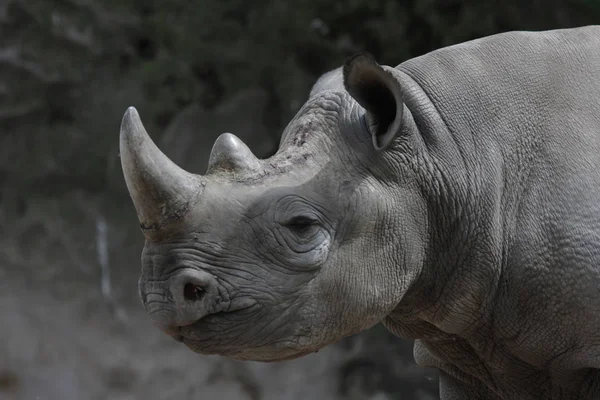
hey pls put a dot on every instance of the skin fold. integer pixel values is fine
(455, 198)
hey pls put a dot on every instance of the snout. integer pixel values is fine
(182, 299)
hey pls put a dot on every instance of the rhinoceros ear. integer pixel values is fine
(378, 92)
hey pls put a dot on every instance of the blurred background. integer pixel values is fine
(71, 325)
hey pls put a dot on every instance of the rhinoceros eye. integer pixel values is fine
(302, 240)
(300, 224)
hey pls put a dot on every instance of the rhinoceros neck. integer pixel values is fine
(463, 184)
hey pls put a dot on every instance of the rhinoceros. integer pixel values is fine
(455, 198)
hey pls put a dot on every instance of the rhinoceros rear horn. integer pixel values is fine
(230, 154)
(378, 92)
(162, 192)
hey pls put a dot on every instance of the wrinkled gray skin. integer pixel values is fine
(455, 198)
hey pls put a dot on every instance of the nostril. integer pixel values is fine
(193, 292)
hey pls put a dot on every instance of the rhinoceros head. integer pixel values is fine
(272, 259)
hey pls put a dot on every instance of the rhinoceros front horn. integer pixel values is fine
(162, 192)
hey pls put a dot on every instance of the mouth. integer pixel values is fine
(178, 337)
(247, 352)
(236, 335)
(189, 332)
